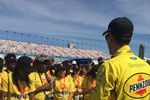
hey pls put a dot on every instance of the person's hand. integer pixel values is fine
(79, 90)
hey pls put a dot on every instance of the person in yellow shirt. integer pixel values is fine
(77, 80)
(67, 65)
(125, 76)
(1, 64)
(89, 83)
(18, 86)
(1, 68)
(9, 65)
(40, 78)
(64, 87)
(50, 69)
(100, 61)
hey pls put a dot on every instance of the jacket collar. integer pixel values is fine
(123, 50)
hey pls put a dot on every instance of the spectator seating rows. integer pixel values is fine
(32, 48)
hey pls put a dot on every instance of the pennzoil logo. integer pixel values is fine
(138, 85)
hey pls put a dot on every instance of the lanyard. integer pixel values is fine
(23, 91)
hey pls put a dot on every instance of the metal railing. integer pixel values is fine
(44, 39)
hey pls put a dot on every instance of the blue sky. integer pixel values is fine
(71, 16)
(75, 18)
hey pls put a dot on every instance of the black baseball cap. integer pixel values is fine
(120, 27)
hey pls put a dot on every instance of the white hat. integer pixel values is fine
(74, 62)
(95, 62)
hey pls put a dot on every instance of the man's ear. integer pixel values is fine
(112, 39)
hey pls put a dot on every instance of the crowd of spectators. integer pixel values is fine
(24, 79)
(32, 48)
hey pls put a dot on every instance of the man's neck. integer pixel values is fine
(116, 48)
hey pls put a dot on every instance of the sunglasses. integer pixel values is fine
(107, 36)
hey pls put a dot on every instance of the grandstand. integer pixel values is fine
(52, 51)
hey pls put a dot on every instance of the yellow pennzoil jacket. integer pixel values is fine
(123, 77)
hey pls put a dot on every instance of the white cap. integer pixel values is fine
(95, 62)
(74, 62)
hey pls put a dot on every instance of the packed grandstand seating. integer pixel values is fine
(32, 48)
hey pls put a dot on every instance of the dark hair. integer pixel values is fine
(75, 70)
(10, 57)
(23, 63)
(59, 70)
(37, 64)
(1, 63)
(100, 58)
(92, 72)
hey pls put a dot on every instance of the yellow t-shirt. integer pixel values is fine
(0, 79)
(78, 85)
(63, 87)
(4, 68)
(69, 77)
(34, 76)
(14, 93)
(5, 76)
(88, 82)
(78, 81)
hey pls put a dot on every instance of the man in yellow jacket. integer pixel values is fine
(125, 76)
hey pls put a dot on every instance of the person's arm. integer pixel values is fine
(3, 95)
(45, 87)
(105, 81)
(71, 94)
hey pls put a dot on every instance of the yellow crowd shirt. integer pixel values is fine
(63, 87)
(78, 81)
(5, 76)
(4, 68)
(123, 77)
(11, 88)
(39, 80)
(69, 77)
(88, 83)
(0, 79)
